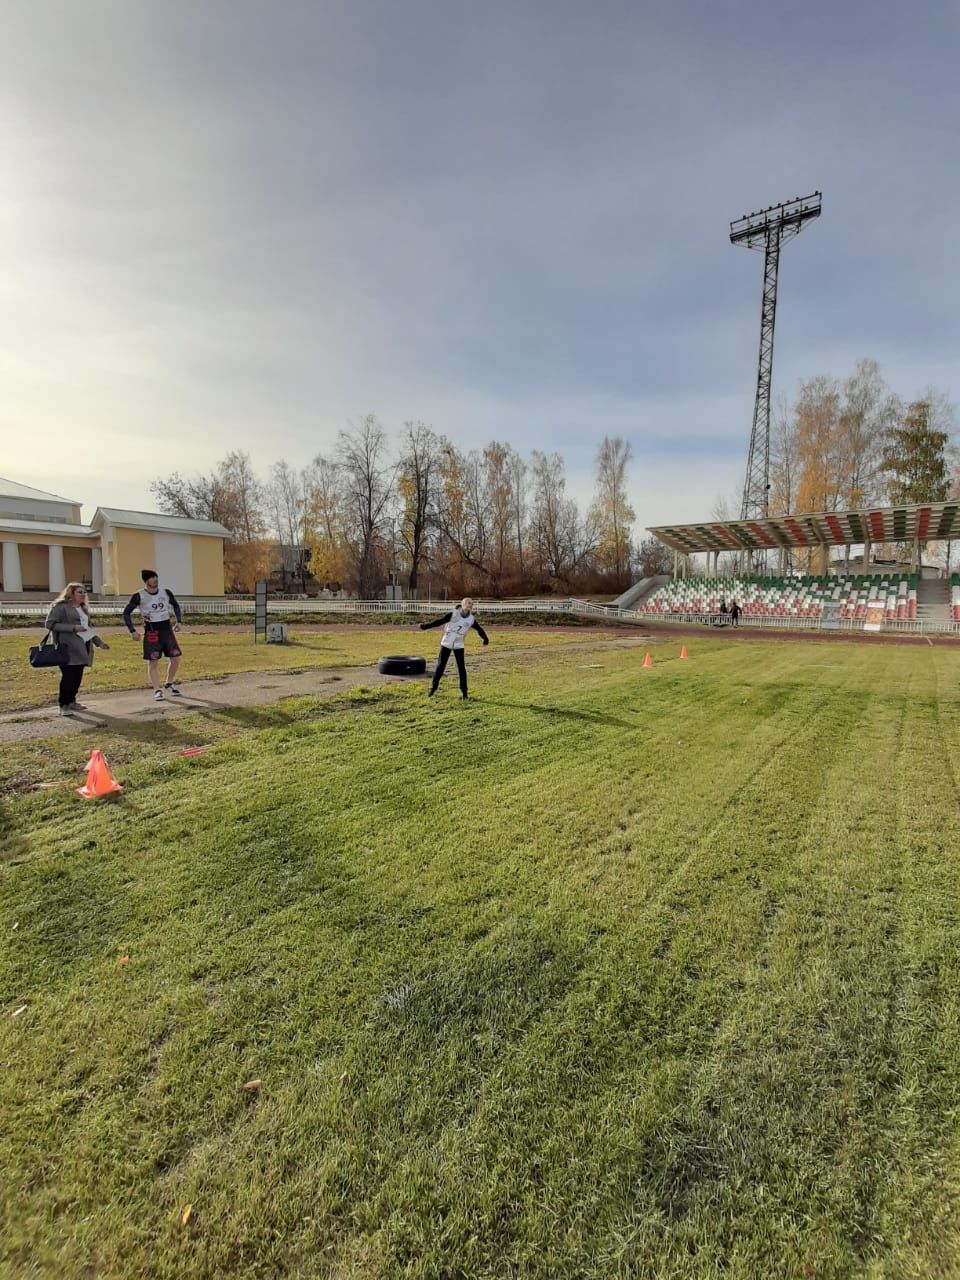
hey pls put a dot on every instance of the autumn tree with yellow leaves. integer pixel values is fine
(613, 514)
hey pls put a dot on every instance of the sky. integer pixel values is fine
(247, 223)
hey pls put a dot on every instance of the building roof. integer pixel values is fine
(11, 489)
(159, 523)
(930, 521)
(47, 527)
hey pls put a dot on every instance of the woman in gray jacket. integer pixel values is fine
(69, 625)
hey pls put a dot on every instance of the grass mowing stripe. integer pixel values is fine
(769, 1103)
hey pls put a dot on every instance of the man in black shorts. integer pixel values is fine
(159, 639)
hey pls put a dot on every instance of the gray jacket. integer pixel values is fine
(62, 621)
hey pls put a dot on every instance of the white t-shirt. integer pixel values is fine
(88, 632)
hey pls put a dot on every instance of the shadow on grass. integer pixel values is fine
(274, 716)
(561, 713)
(300, 709)
(150, 733)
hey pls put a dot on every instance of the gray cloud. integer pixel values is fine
(243, 223)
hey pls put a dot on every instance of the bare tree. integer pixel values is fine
(247, 495)
(204, 497)
(369, 479)
(653, 557)
(867, 413)
(582, 537)
(563, 541)
(783, 459)
(418, 483)
(518, 481)
(547, 521)
(498, 484)
(478, 512)
(286, 505)
(612, 512)
(461, 513)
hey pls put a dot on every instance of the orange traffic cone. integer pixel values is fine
(648, 661)
(100, 781)
(683, 651)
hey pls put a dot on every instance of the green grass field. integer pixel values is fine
(216, 652)
(607, 973)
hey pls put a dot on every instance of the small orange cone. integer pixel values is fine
(100, 781)
(648, 661)
(683, 651)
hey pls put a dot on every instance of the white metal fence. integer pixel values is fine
(221, 606)
(225, 606)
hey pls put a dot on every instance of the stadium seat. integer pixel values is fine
(794, 597)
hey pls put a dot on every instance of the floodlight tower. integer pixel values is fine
(767, 230)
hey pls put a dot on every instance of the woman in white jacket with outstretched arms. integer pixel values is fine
(455, 625)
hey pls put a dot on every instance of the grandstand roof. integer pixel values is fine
(928, 521)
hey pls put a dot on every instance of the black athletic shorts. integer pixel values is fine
(159, 641)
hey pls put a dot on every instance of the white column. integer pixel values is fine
(12, 580)
(96, 569)
(56, 574)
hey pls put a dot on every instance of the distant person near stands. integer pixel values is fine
(455, 625)
(154, 604)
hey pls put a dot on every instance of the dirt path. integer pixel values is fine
(244, 689)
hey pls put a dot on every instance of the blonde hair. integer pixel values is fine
(68, 591)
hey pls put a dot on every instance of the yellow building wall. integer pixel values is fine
(133, 551)
(78, 564)
(207, 566)
(34, 566)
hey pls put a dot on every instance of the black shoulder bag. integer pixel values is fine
(45, 654)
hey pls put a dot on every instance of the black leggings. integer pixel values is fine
(443, 659)
(70, 678)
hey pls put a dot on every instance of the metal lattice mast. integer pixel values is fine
(767, 230)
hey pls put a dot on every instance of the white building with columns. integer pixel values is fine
(45, 542)
(45, 545)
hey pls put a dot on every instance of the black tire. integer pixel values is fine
(402, 666)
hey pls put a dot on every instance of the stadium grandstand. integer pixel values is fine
(850, 589)
(797, 597)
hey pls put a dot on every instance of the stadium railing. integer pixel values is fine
(225, 606)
